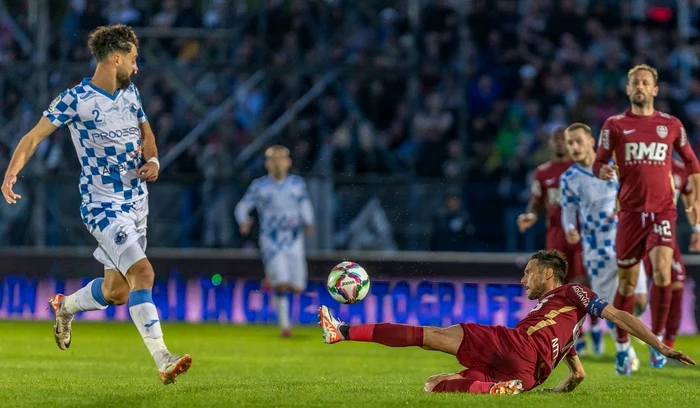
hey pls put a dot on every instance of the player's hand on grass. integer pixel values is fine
(148, 172)
(606, 172)
(7, 192)
(244, 228)
(677, 355)
(573, 237)
(694, 242)
(526, 221)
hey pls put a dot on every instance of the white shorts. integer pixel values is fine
(122, 242)
(604, 279)
(287, 267)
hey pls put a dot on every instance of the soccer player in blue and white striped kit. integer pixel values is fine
(285, 212)
(594, 202)
(117, 152)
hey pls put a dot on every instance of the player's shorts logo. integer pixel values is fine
(662, 131)
(120, 238)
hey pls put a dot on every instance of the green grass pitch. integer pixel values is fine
(108, 366)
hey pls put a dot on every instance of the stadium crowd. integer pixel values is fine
(461, 91)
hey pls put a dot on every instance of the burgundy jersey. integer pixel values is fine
(642, 148)
(680, 180)
(545, 186)
(555, 323)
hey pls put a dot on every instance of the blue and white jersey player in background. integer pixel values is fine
(594, 202)
(285, 213)
(117, 153)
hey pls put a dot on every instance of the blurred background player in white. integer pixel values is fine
(285, 212)
(117, 151)
(593, 200)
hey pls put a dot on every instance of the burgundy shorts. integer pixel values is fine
(638, 233)
(574, 259)
(497, 353)
(677, 267)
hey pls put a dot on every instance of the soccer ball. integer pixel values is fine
(348, 282)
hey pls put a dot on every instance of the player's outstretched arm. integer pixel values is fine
(573, 378)
(24, 151)
(638, 329)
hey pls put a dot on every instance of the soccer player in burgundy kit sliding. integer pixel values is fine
(641, 142)
(684, 191)
(546, 193)
(501, 360)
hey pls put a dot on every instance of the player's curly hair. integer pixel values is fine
(105, 40)
(551, 258)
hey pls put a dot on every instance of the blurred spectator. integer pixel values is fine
(452, 226)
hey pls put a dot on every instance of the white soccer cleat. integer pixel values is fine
(175, 366)
(511, 387)
(62, 326)
(330, 326)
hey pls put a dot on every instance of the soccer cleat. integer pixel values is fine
(330, 326)
(287, 332)
(656, 359)
(511, 387)
(634, 360)
(175, 366)
(62, 326)
(622, 363)
(634, 364)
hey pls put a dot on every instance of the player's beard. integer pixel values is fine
(639, 102)
(123, 79)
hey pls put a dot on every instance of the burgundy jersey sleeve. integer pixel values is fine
(585, 299)
(606, 145)
(684, 150)
(572, 352)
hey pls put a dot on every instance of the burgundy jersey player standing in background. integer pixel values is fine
(684, 191)
(641, 142)
(545, 193)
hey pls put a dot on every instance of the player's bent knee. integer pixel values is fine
(661, 278)
(140, 275)
(676, 285)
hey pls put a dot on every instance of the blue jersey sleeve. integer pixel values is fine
(62, 110)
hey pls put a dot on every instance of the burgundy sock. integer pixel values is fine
(674, 317)
(388, 334)
(464, 385)
(625, 303)
(660, 303)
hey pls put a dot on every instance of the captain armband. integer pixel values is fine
(595, 306)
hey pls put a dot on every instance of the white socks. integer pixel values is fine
(89, 297)
(145, 316)
(281, 302)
